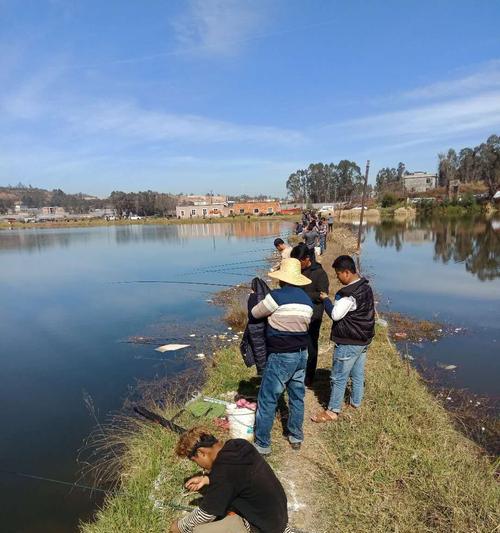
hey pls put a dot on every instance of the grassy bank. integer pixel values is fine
(98, 222)
(398, 464)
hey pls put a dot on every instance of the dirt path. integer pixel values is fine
(303, 473)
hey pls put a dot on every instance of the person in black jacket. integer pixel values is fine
(319, 278)
(253, 344)
(241, 493)
(353, 329)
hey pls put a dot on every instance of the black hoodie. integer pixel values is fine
(242, 481)
(320, 283)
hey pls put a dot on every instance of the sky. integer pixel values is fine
(232, 96)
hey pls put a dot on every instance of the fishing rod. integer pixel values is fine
(181, 283)
(158, 419)
(83, 487)
(223, 265)
(226, 269)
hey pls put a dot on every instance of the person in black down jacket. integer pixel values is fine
(253, 344)
(353, 329)
(319, 278)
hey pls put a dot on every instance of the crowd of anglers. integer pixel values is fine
(240, 491)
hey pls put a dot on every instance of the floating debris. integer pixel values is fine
(192, 335)
(400, 335)
(170, 347)
(200, 356)
(446, 367)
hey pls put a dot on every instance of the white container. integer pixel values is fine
(241, 422)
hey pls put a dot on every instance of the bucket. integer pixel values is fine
(241, 422)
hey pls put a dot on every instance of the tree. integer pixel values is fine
(489, 163)
(294, 187)
(322, 182)
(448, 167)
(467, 164)
(401, 171)
(387, 179)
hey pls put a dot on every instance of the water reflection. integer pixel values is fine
(475, 242)
(37, 239)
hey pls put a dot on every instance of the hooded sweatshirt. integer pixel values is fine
(319, 284)
(241, 480)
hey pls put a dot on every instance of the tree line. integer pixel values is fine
(481, 163)
(478, 164)
(326, 182)
(143, 203)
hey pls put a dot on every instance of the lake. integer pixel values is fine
(444, 270)
(64, 323)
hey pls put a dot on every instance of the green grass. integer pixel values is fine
(400, 465)
(397, 465)
(147, 453)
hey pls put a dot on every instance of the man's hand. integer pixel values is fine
(174, 528)
(323, 295)
(196, 483)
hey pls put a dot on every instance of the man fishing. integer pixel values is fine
(241, 493)
(319, 283)
(288, 311)
(353, 328)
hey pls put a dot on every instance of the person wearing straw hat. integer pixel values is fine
(288, 310)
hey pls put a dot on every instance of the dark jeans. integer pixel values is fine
(282, 370)
(312, 350)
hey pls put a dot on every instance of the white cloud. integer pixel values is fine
(127, 120)
(424, 123)
(486, 77)
(216, 27)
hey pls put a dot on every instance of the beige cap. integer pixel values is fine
(289, 272)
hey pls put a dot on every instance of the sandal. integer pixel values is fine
(323, 417)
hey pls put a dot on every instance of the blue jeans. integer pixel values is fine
(282, 370)
(322, 243)
(348, 361)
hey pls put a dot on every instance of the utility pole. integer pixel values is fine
(363, 205)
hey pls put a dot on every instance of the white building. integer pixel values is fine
(200, 211)
(419, 182)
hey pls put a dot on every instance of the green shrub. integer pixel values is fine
(389, 199)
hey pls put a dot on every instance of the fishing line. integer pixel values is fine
(179, 283)
(83, 487)
(51, 480)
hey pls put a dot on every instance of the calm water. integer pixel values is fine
(63, 321)
(449, 271)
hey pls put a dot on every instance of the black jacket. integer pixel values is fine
(241, 480)
(319, 284)
(357, 327)
(253, 344)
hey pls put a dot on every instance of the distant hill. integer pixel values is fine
(35, 197)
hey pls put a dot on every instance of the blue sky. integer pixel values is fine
(234, 95)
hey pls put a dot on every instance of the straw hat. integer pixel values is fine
(289, 272)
